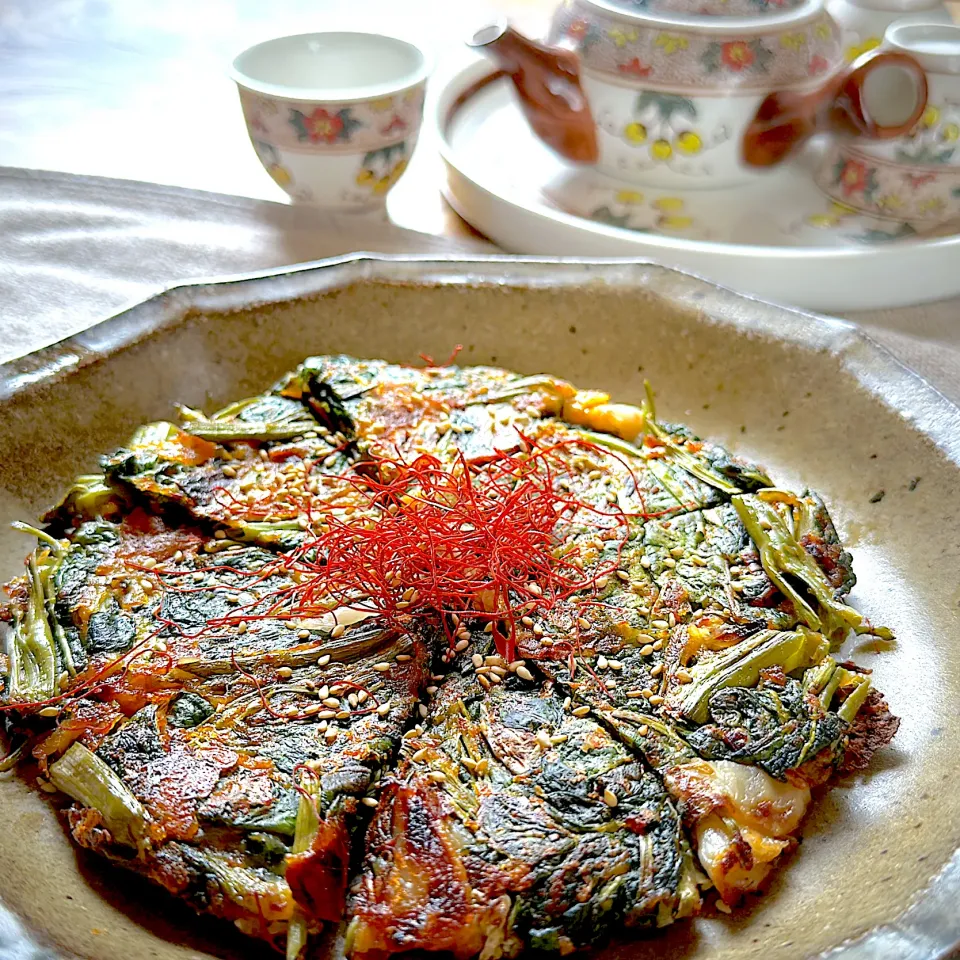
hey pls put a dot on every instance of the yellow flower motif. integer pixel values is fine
(933, 205)
(281, 175)
(859, 49)
(822, 31)
(622, 37)
(889, 201)
(671, 42)
(793, 41)
(629, 196)
(823, 220)
(382, 105)
(668, 204)
(675, 223)
(635, 132)
(931, 116)
(365, 176)
(397, 170)
(689, 142)
(950, 132)
(661, 150)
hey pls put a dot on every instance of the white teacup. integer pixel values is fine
(915, 177)
(333, 117)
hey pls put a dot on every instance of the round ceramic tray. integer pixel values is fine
(779, 238)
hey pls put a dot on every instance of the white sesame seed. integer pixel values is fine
(337, 631)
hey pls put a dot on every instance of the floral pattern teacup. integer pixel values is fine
(333, 117)
(915, 177)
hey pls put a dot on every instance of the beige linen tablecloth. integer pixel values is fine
(74, 249)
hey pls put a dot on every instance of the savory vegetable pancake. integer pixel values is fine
(457, 659)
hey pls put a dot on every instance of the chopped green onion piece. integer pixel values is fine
(81, 774)
(849, 708)
(772, 518)
(740, 666)
(304, 833)
(229, 430)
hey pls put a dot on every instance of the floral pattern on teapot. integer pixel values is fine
(697, 60)
(667, 130)
(710, 8)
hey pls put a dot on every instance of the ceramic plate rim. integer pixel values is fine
(910, 934)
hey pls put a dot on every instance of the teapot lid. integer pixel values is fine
(703, 8)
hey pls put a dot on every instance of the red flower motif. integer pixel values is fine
(578, 28)
(817, 65)
(397, 123)
(635, 67)
(737, 54)
(322, 125)
(853, 177)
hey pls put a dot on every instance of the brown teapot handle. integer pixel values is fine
(786, 119)
(547, 80)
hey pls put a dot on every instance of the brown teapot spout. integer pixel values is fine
(547, 80)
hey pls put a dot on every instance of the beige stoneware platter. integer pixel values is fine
(878, 874)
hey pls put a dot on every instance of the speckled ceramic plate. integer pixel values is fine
(778, 237)
(877, 875)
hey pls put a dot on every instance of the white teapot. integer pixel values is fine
(689, 93)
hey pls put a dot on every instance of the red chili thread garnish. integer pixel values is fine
(432, 539)
(430, 362)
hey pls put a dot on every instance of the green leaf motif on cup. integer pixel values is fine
(382, 168)
(924, 154)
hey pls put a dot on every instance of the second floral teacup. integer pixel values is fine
(916, 177)
(333, 117)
